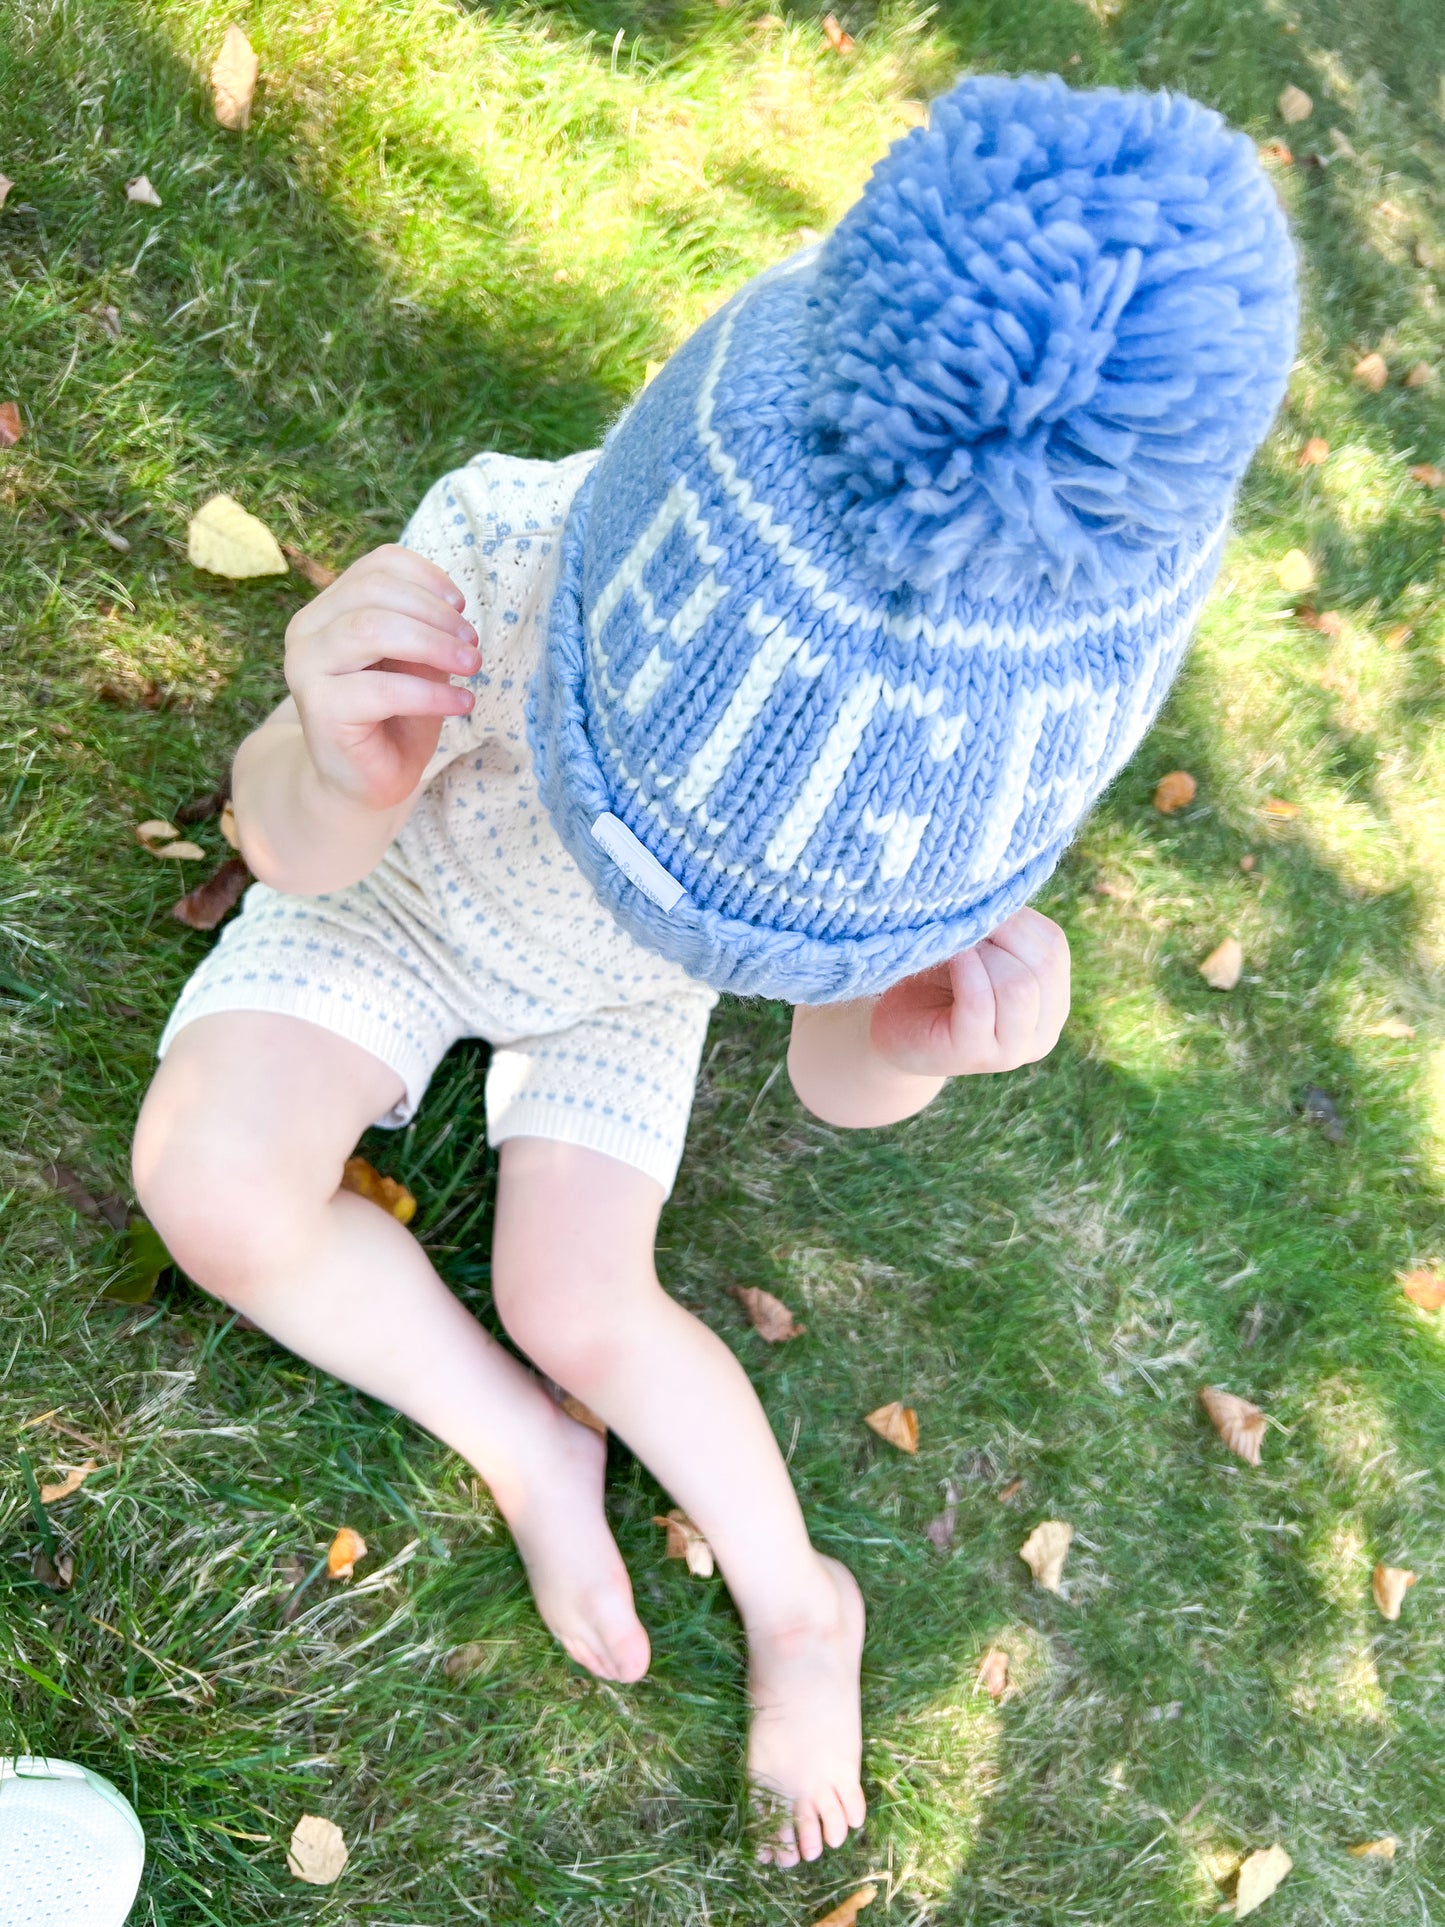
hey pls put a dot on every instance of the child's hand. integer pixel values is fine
(368, 664)
(991, 1008)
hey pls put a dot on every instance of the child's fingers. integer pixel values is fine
(376, 695)
(1041, 947)
(1016, 1001)
(401, 596)
(375, 635)
(392, 560)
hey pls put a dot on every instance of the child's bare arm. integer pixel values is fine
(322, 787)
(992, 1008)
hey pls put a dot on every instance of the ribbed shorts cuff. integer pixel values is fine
(566, 1124)
(367, 1029)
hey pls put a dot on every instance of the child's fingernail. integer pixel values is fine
(465, 658)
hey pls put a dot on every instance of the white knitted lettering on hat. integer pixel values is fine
(71, 1849)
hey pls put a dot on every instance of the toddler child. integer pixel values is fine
(797, 689)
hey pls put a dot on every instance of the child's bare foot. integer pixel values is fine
(576, 1572)
(806, 1745)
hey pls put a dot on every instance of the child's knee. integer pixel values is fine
(570, 1321)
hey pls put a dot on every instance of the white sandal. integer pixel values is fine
(71, 1849)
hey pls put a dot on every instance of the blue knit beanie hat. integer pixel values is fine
(881, 580)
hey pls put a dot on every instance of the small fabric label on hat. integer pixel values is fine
(637, 862)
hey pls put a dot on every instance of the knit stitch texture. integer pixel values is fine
(881, 581)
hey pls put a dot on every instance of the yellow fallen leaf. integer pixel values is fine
(155, 830)
(367, 1182)
(233, 80)
(141, 190)
(1372, 372)
(1295, 572)
(184, 852)
(1241, 1425)
(584, 1414)
(684, 1541)
(1294, 105)
(896, 1423)
(1426, 1286)
(1315, 451)
(1389, 1027)
(1382, 1849)
(1389, 1584)
(224, 539)
(1224, 966)
(848, 1910)
(344, 1552)
(5, 187)
(1428, 475)
(1420, 376)
(1397, 634)
(1340, 141)
(1045, 1550)
(228, 826)
(992, 1676)
(768, 1316)
(318, 1851)
(1174, 792)
(651, 372)
(74, 1479)
(1258, 1877)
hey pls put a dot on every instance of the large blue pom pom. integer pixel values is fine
(1048, 338)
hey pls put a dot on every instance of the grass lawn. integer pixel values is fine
(454, 226)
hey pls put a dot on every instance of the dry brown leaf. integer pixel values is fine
(204, 907)
(233, 80)
(141, 190)
(1045, 1550)
(1240, 1424)
(1224, 966)
(108, 316)
(768, 1316)
(1295, 572)
(1275, 153)
(343, 1553)
(318, 574)
(684, 1541)
(155, 831)
(367, 1182)
(11, 426)
(1428, 475)
(838, 39)
(1325, 622)
(1389, 1585)
(848, 1910)
(1258, 1877)
(1315, 451)
(1174, 792)
(224, 539)
(1425, 1287)
(940, 1531)
(1372, 371)
(78, 1195)
(1382, 1849)
(5, 187)
(896, 1423)
(1010, 1492)
(1397, 635)
(1420, 376)
(1342, 146)
(74, 1479)
(182, 851)
(584, 1414)
(477, 1656)
(1294, 105)
(57, 1573)
(318, 1851)
(228, 825)
(992, 1676)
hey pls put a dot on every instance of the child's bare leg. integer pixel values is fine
(573, 1273)
(238, 1155)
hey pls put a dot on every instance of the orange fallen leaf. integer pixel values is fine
(141, 190)
(848, 1910)
(233, 81)
(1372, 372)
(1282, 812)
(1397, 634)
(318, 1852)
(344, 1552)
(896, 1423)
(1325, 622)
(1295, 572)
(684, 1541)
(1174, 792)
(319, 574)
(768, 1316)
(1294, 105)
(1275, 153)
(11, 426)
(838, 39)
(1241, 1425)
(367, 1182)
(74, 1479)
(204, 907)
(1315, 451)
(1224, 966)
(1258, 1877)
(1045, 1550)
(1425, 1288)
(1428, 475)
(1420, 376)
(584, 1414)
(1010, 1492)
(1389, 1584)
(1382, 1849)
(992, 1676)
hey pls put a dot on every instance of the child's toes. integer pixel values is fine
(810, 1830)
(832, 1819)
(854, 1805)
